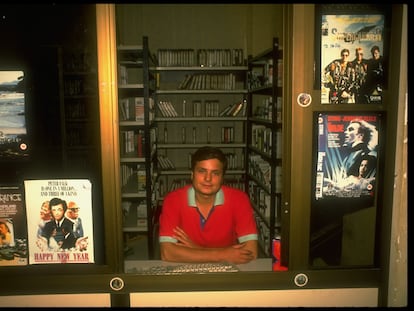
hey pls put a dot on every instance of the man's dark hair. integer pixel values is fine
(207, 153)
(57, 201)
(375, 48)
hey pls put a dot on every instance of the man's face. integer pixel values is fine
(73, 212)
(57, 211)
(45, 212)
(207, 176)
(351, 133)
(363, 168)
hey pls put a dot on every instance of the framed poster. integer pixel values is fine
(352, 51)
(345, 185)
(59, 221)
(346, 157)
(13, 230)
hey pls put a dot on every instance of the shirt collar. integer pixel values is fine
(192, 202)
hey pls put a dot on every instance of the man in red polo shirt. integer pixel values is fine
(208, 221)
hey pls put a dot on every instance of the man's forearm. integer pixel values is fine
(238, 254)
(177, 253)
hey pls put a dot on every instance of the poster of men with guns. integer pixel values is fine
(353, 70)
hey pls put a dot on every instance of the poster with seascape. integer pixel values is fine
(14, 143)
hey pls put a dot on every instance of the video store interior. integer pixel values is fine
(105, 110)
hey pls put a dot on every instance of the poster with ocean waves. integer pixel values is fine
(13, 130)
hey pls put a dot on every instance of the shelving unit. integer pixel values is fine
(137, 140)
(264, 151)
(193, 90)
(79, 109)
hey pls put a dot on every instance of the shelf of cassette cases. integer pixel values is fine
(80, 122)
(136, 137)
(198, 106)
(200, 80)
(264, 151)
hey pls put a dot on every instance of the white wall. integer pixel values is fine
(341, 297)
(63, 300)
(200, 25)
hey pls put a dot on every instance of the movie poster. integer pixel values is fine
(13, 132)
(13, 230)
(347, 152)
(352, 63)
(59, 221)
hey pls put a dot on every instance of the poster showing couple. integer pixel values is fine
(353, 70)
(347, 153)
(59, 221)
(13, 230)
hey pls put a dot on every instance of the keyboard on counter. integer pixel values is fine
(186, 268)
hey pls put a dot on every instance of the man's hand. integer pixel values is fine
(41, 243)
(239, 254)
(183, 238)
(81, 243)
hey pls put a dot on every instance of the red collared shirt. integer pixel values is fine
(231, 220)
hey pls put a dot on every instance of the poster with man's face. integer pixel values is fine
(345, 186)
(347, 155)
(352, 63)
(59, 221)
